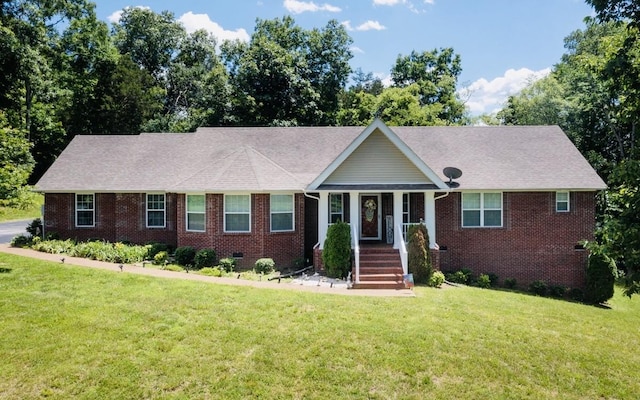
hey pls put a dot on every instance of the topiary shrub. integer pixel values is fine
(185, 255)
(21, 241)
(539, 288)
(419, 256)
(510, 283)
(484, 281)
(204, 258)
(494, 279)
(557, 291)
(227, 264)
(264, 266)
(336, 254)
(601, 277)
(436, 280)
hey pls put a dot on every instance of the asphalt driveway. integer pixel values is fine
(13, 228)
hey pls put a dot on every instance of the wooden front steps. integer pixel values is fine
(380, 268)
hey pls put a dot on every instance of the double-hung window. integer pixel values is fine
(562, 201)
(237, 213)
(281, 212)
(336, 208)
(481, 210)
(196, 212)
(85, 210)
(156, 210)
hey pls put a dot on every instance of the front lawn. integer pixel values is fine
(33, 211)
(73, 332)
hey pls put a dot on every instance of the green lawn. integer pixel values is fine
(73, 332)
(31, 212)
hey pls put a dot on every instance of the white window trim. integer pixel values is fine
(224, 222)
(341, 207)
(482, 209)
(568, 201)
(292, 212)
(187, 212)
(93, 210)
(164, 210)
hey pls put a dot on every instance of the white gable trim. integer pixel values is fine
(393, 138)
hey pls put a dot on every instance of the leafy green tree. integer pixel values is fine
(436, 74)
(601, 278)
(16, 164)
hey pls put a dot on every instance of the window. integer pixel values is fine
(85, 210)
(155, 211)
(482, 209)
(196, 212)
(562, 201)
(336, 209)
(281, 212)
(237, 213)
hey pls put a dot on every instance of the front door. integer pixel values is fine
(370, 217)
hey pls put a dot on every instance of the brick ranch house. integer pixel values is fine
(524, 201)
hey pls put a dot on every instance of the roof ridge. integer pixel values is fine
(273, 163)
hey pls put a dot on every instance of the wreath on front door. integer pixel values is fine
(369, 209)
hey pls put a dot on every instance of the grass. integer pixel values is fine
(31, 212)
(73, 332)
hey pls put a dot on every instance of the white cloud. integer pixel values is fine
(367, 26)
(371, 25)
(114, 18)
(192, 22)
(388, 2)
(485, 96)
(298, 7)
(356, 49)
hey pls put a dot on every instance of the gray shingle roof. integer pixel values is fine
(289, 159)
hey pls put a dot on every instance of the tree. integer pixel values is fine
(436, 74)
(601, 277)
(286, 75)
(16, 164)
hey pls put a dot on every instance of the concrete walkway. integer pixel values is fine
(310, 284)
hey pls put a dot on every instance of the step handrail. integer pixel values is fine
(402, 249)
(356, 251)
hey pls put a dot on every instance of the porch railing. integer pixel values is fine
(402, 249)
(356, 252)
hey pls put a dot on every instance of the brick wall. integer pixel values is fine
(283, 247)
(535, 242)
(118, 217)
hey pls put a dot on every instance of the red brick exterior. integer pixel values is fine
(122, 217)
(535, 242)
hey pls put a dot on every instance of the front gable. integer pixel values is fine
(377, 158)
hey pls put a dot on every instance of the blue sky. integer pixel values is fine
(503, 43)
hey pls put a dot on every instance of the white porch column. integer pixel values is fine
(430, 217)
(323, 217)
(354, 212)
(397, 218)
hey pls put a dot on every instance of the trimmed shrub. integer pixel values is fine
(227, 264)
(336, 254)
(264, 266)
(576, 294)
(35, 227)
(185, 255)
(601, 278)
(21, 241)
(161, 258)
(557, 291)
(510, 283)
(463, 276)
(419, 256)
(484, 281)
(539, 288)
(204, 258)
(494, 279)
(155, 248)
(436, 280)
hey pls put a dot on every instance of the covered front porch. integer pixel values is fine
(379, 221)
